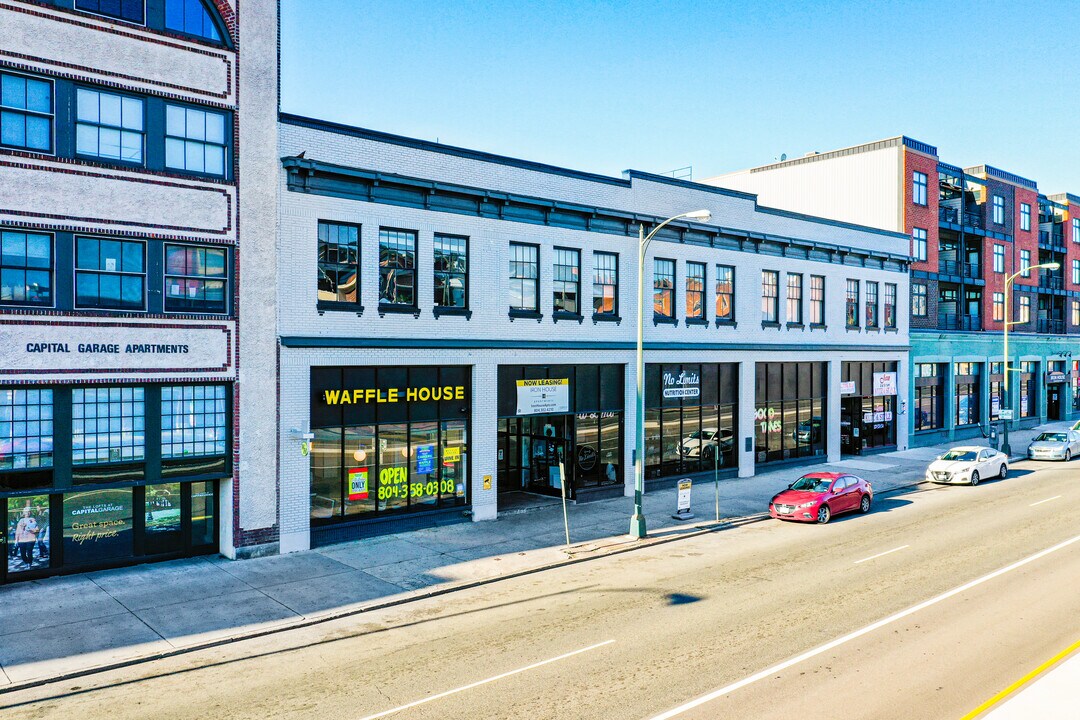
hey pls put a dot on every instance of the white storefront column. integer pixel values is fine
(747, 423)
(903, 402)
(485, 442)
(832, 423)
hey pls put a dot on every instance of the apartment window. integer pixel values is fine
(26, 429)
(605, 283)
(194, 140)
(794, 298)
(890, 305)
(968, 397)
(817, 299)
(26, 112)
(998, 210)
(1025, 263)
(871, 304)
(451, 271)
(566, 282)
(1025, 308)
(770, 296)
(193, 420)
(852, 304)
(999, 307)
(918, 300)
(195, 279)
(999, 258)
(1076, 272)
(1076, 313)
(663, 288)
(397, 267)
(524, 277)
(110, 274)
(109, 126)
(1025, 216)
(725, 293)
(695, 290)
(107, 425)
(918, 243)
(130, 10)
(1076, 230)
(339, 263)
(918, 194)
(25, 268)
(191, 17)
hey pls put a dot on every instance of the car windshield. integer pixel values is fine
(1051, 437)
(698, 434)
(812, 484)
(959, 455)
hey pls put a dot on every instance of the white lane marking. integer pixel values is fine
(875, 557)
(779, 667)
(470, 686)
(1042, 501)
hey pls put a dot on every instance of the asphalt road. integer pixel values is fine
(705, 627)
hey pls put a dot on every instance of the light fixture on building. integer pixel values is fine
(360, 455)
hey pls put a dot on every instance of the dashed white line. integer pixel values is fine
(470, 686)
(874, 557)
(1042, 501)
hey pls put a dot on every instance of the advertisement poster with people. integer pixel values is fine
(27, 533)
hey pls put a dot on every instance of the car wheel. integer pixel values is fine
(1068, 455)
(1003, 472)
(974, 478)
(864, 504)
(824, 514)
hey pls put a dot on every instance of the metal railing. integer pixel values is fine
(963, 269)
(1054, 327)
(974, 220)
(1051, 281)
(948, 215)
(949, 321)
(1054, 239)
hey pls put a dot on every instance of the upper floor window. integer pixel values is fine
(918, 189)
(195, 279)
(130, 10)
(918, 300)
(26, 112)
(25, 268)
(107, 425)
(605, 283)
(1076, 230)
(1076, 312)
(397, 267)
(725, 293)
(1025, 308)
(794, 298)
(871, 304)
(339, 263)
(890, 305)
(999, 258)
(26, 428)
(110, 274)
(664, 288)
(193, 420)
(191, 17)
(999, 306)
(770, 296)
(1025, 263)
(695, 290)
(194, 140)
(852, 304)
(817, 299)
(1025, 216)
(918, 243)
(566, 282)
(109, 126)
(524, 277)
(1076, 272)
(451, 271)
(999, 210)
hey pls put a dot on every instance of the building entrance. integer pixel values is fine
(534, 455)
(1054, 404)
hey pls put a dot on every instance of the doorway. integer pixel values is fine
(531, 450)
(850, 425)
(1053, 401)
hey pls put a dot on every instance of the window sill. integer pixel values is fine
(399, 310)
(664, 320)
(892, 330)
(817, 326)
(770, 325)
(697, 321)
(558, 315)
(873, 329)
(853, 328)
(727, 323)
(795, 326)
(438, 311)
(526, 315)
(324, 306)
(598, 318)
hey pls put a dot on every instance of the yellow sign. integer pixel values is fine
(451, 454)
(359, 396)
(487, 482)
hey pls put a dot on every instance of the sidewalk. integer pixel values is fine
(66, 625)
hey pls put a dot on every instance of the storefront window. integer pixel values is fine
(359, 495)
(164, 527)
(98, 526)
(326, 473)
(689, 420)
(107, 424)
(193, 420)
(203, 515)
(1028, 390)
(997, 391)
(393, 486)
(789, 412)
(929, 400)
(28, 542)
(968, 395)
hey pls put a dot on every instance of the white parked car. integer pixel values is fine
(1063, 445)
(967, 465)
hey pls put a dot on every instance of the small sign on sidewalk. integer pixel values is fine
(1006, 414)
(683, 512)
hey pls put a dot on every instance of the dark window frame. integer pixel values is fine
(224, 279)
(50, 116)
(660, 291)
(226, 143)
(702, 280)
(142, 22)
(450, 274)
(144, 134)
(852, 302)
(51, 270)
(144, 275)
(920, 300)
(385, 270)
(614, 271)
(524, 279)
(920, 244)
(560, 286)
(770, 297)
(919, 188)
(326, 267)
(729, 271)
(795, 302)
(873, 305)
(817, 304)
(890, 302)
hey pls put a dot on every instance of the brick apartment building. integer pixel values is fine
(970, 229)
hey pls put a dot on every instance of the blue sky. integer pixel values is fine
(605, 86)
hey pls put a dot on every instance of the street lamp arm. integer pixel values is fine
(652, 233)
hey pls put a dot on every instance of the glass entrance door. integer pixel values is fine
(548, 443)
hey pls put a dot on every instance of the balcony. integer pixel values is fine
(963, 269)
(1054, 240)
(948, 215)
(1051, 281)
(974, 220)
(1051, 327)
(949, 321)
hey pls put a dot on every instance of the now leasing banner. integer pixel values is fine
(543, 397)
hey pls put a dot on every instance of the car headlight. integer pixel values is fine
(805, 505)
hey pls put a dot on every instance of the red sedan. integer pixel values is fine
(816, 497)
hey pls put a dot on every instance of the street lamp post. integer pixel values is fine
(1008, 322)
(637, 521)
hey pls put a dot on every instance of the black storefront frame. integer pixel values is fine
(806, 434)
(875, 435)
(932, 389)
(967, 385)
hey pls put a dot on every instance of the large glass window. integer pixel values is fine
(26, 112)
(605, 283)
(25, 268)
(770, 296)
(26, 429)
(852, 304)
(524, 277)
(871, 304)
(195, 140)
(918, 189)
(789, 413)
(339, 262)
(890, 305)
(929, 399)
(690, 426)
(130, 10)
(195, 279)
(817, 300)
(968, 395)
(191, 17)
(566, 281)
(451, 271)
(397, 267)
(110, 274)
(794, 298)
(663, 288)
(725, 293)
(109, 126)
(1076, 230)
(193, 420)
(1029, 393)
(107, 424)
(28, 544)
(695, 290)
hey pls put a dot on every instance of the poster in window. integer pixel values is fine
(358, 483)
(27, 533)
(97, 526)
(163, 509)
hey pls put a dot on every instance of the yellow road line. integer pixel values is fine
(996, 699)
